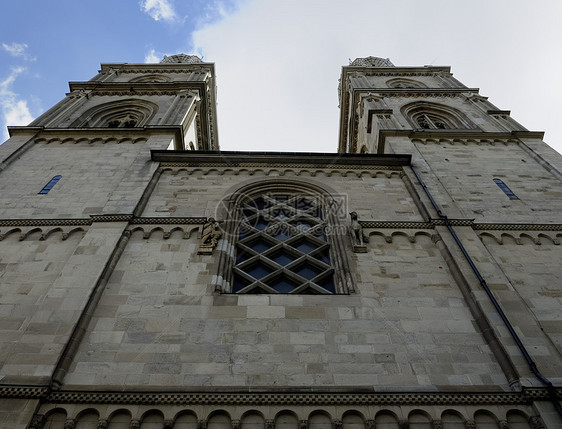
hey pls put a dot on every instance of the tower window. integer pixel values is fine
(505, 189)
(429, 121)
(50, 185)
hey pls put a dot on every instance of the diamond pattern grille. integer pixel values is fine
(282, 247)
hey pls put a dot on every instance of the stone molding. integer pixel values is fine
(289, 399)
(519, 226)
(466, 141)
(102, 218)
(44, 222)
(283, 169)
(168, 220)
(522, 238)
(154, 68)
(91, 140)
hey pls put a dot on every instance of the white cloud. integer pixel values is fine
(278, 62)
(18, 50)
(159, 10)
(152, 57)
(14, 110)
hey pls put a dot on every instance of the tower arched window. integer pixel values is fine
(284, 240)
(432, 116)
(430, 121)
(401, 83)
(120, 114)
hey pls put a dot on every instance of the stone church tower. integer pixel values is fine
(149, 280)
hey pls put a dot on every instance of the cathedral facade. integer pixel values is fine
(149, 280)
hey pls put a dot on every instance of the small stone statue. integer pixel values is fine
(358, 240)
(209, 237)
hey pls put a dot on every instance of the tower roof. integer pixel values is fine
(372, 62)
(181, 58)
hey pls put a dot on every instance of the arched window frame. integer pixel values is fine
(151, 78)
(139, 111)
(401, 83)
(436, 116)
(333, 209)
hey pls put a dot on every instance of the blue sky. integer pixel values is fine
(278, 61)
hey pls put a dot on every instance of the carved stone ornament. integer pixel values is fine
(102, 424)
(235, 424)
(370, 424)
(210, 235)
(135, 424)
(37, 421)
(437, 424)
(470, 424)
(202, 424)
(69, 424)
(168, 424)
(270, 424)
(536, 423)
(358, 240)
(303, 424)
(503, 424)
(337, 424)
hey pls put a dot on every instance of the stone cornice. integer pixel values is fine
(238, 159)
(139, 88)
(265, 397)
(397, 71)
(103, 218)
(417, 92)
(518, 226)
(461, 222)
(454, 136)
(93, 135)
(158, 68)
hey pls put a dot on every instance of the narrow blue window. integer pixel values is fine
(505, 189)
(50, 185)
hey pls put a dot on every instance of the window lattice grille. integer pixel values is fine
(282, 247)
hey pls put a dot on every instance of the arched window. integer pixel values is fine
(119, 114)
(286, 238)
(431, 121)
(405, 83)
(431, 116)
(151, 78)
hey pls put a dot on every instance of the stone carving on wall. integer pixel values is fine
(210, 235)
(358, 239)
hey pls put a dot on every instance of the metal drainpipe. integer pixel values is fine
(549, 387)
